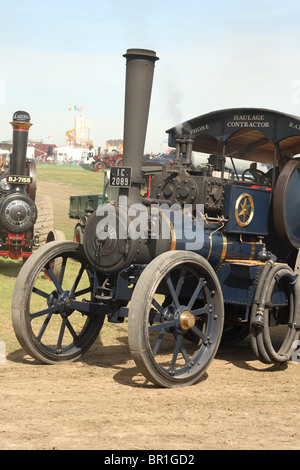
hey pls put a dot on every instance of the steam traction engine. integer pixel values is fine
(205, 253)
(26, 219)
(18, 211)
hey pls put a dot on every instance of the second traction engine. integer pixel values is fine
(18, 211)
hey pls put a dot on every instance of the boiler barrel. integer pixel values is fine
(209, 241)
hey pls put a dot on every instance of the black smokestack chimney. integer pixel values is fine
(21, 124)
(139, 78)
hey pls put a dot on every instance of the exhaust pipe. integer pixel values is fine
(139, 79)
(20, 124)
(107, 243)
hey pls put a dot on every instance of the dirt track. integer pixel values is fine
(103, 402)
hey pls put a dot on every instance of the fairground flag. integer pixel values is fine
(76, 108)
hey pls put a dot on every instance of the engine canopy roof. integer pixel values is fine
(244, 133)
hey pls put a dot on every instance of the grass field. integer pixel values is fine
(62, 181)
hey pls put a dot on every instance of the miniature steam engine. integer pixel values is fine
(205, 254)
(18, 211)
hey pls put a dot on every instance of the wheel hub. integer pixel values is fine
(187, 320)
(183, 318)
(61, 302)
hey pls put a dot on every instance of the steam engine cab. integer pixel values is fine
(254, 203)
(248, 216)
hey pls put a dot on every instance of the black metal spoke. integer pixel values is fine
(41, 313)
(172, 291)
(200, 334)
(157, 306)
(61, 334)
(201, 311)
(71, 330)
(158, 342)
(83, 291)
(54, 280)
(180, 282)
(195, 293)
(184, 353)
(77, 280)
(62, 270)
(160, 326)
(40, 292)
(175, 352)
(44, 326)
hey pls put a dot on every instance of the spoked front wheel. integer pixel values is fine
(175, 319)
(50, 315)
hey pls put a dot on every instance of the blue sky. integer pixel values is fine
(213, 55)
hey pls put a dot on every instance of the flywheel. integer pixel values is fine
(286, 204)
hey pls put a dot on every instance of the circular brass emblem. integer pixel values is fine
(244, 210)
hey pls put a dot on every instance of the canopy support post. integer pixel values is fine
(274, 168)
